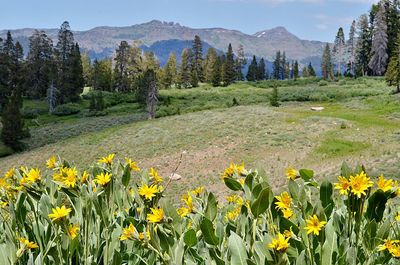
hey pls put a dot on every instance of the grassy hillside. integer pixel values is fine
(354, 127)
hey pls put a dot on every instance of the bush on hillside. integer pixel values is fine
(67, 109)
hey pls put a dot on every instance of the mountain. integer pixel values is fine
(101, 41)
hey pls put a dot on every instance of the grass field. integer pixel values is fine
(357, 126)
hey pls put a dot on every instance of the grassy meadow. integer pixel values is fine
(360, 124)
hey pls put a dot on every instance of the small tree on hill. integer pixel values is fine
(274, 99)
(252, 71)
(393, 71)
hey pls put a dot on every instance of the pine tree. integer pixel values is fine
(304, 72)
(39, 65)
(209, 64)
(197, 58)
(216, 72)
(338, 50)
(184, 73)
(261, 70)
(63, 52)
(240, 63)
(311, 71)
(351, 48)
(121, 74)
(276, 73)
(75, 69)
(229, 75)
(87, 69)
(169, 76)
(252, 71)
(102, 75)
(327, 67)
(392, 8)
(363, 47)
(282, 66)
(296, 70)
(379, 57)
(274, 99)
(393, 71)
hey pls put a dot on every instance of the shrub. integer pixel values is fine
(67, 109)
(322, 83)
(113, 214)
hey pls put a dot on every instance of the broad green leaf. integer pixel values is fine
(306, 174)
(208, 231)
(237, 249)
(211, 208)
(330, 244)
(126, 177)
(376, 206)
(325, 195)
(190, 238)
(179, 251)
(232, 184)
(262, 203)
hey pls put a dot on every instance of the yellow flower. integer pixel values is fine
(279, 243)
(103, 179)
(284, 201)
(233, 214)
(314, 225)
(236, 199)
(288, 233)
(148, 192)
(51, 162)
(9, 173)
(3, 204)
(70, 177)
(343, 185)
(287, 213)
(73, 230)
(84, 177)
(144, 235)
(128, 233)
(188, 201)
(182, 212)
(156, 215)
(107, 159)
(241, 181)
(154, 175)
(132, 165)
(393, 246)
(31, 177)
(291, 173)
(398, 217)
(360, 184)
(4, 184)
(59, 213)
(28, 244)
(384, 184)
(239, 169)
(197, 191)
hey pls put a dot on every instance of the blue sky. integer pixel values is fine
(308, 19)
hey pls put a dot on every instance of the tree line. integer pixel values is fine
(372, 48)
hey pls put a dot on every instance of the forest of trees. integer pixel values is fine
(372, 47)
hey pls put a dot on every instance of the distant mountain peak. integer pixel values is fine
(275, 33)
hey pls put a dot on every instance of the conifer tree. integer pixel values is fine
(216, 72)
(327, 67)
(276, 73)
(338, 50)
(351, 48)
(392, 8)
(261, 70)
(310, 70)
(102, 75)
(378, 62)
(121, 73)
(75, 69)
(252, 71)
(209, 64)
(87, 69)
(304, 72)
(393, 71)
(169, 76)
(184, 73)
(282, 66)
(296, 70)
(240, 63)
(274, 99)
(229, 73)
(39, 65)
(363, 47)
(197, 59)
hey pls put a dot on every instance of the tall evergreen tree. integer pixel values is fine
(209, 64)
(121, 73)
(393, 71)
(87, 69)
(39, 65)
(102, 75)
(261, 70)
(351, 48)
(311, 71)
(304, 72)
(229, 75)
(252, 71)
(184, 73)
(170, 73)
(338, 50)
(379, 57)
(197, 58)
(283, 71)
(363, 48)
(276, 72)
(296, 70)
(392, 8)
(327, 66)
(240, 63)
(216, 72)
(75, 69)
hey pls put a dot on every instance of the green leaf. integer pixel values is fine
(306, 174)
(237, 249)
(178, 253)
(330, 245)
(345, 170)
(126, 177)
(249, 180)
(190, 238)
(232, 184)
(325, 195)
(262, 203)
(376, 206)
(211, 208)
(301, 259)
(208, 231)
